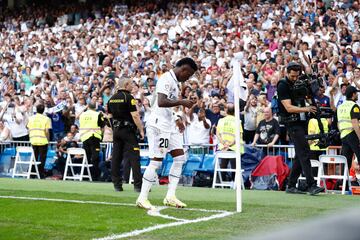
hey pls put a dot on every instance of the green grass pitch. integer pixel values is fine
(262, 211)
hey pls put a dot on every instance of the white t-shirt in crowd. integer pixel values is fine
(160, 117)
(16, 129)
(197, 133)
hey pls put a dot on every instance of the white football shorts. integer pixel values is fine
(161, 142)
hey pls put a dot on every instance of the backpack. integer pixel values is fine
(202, 179)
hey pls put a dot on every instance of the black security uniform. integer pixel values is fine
(126, 145)
(296, 125)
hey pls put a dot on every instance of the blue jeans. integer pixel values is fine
(56, 136)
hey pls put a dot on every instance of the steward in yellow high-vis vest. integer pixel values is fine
(348, 115)
(39, 126)
(225, 133)
(313, 128)
(91, 124)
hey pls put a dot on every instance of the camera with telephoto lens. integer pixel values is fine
(307, 87)
(325, 139)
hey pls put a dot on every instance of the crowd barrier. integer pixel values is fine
(287, 151)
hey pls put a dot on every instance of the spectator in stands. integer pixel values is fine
(15, 121)
(5, 134)
(267, 131)
(198, 128)
(58, 124)
(250, 119)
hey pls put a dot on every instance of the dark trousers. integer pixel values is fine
(125, 148)
(248, 136)
(350, 145)
(301, 162)
(40, 156)
(92, 149)
(224, 164)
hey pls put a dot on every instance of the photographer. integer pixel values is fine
(292, 113)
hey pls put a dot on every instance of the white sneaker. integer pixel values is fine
(174, 202)
(145, 204)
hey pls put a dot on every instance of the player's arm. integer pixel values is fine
(165, 102)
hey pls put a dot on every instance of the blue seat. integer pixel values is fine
(166, 165)
(144, 161)
(5, 160)
(50, 159)
(194, 161)
(208, 164)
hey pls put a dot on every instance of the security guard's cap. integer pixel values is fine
(350, 90)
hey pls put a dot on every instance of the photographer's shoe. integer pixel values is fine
(314, 190)
(294, 190)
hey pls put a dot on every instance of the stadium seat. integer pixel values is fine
(83, 165)
(6, 161)
(50, 160)
(24, 161)
(166, 165)
(208, 163)
(193, 162)
(334, 159)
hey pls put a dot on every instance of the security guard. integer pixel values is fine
(91, 124)
(225, 133)
(313, 128)
(39, 126)
(348, 115)
(126, 121)
(293, 110)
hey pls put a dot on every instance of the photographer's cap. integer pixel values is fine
(350, 90)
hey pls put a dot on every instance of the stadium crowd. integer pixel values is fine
(70, 56)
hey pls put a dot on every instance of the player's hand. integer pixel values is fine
(187, 103)
(180, 125)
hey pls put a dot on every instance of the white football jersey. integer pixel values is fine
(160, 117)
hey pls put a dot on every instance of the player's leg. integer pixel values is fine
(177, 152)
(157, 151)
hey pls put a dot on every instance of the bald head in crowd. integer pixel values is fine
(230, 109)
(268, 114)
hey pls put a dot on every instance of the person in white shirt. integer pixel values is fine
(199, 128)
(15, 122)
(164, 131)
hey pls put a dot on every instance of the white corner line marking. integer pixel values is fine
(166, 225)
(156, 213)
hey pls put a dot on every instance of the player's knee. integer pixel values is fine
(155, 164)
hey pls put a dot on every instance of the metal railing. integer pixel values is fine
(287, 151)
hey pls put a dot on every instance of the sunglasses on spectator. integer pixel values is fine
(193, 98)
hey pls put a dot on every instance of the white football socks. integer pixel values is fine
(175, 174)
(149, 178)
